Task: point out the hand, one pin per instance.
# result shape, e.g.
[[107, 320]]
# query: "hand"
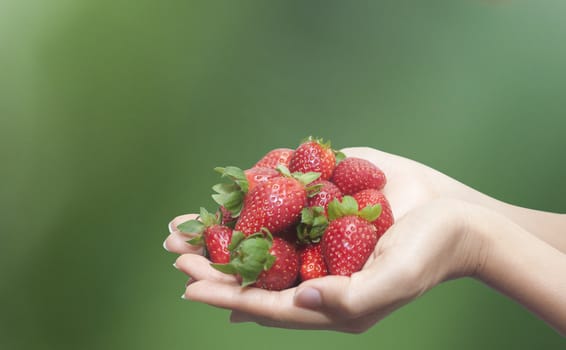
[[405, 263], [444, 230], [427, 246]]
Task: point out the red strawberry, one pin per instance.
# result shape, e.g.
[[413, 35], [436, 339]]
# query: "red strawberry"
[[314, 155], [275, 204], [355, 174], [217, 238], [230, 196], [312, 262], [350, 238], [284, 271], [257, 175], [373, 197], [211, 233], [275, 157], [262, 260], [325, 195]]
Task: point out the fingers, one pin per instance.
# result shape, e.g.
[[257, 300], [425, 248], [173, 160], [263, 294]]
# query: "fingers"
[[333, 295], [176, 242], [198, 268], [376, 290], [249, 304], [348, 304]]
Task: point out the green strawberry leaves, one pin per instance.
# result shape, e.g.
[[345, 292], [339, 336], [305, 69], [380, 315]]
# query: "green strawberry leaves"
[[312, 226], [339, 156], [349, 206], [304, 178], [319, 140], [198, 226], [249, 256], [231, 195], [191, 226]]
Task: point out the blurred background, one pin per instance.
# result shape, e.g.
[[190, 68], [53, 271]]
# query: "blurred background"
[[113, 114]]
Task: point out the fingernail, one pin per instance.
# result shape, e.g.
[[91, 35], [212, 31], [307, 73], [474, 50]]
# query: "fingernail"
[[308, 298], [175, 266], [183, 297], [165, 245]]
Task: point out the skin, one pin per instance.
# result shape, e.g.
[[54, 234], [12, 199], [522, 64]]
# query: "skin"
[[444, 230]]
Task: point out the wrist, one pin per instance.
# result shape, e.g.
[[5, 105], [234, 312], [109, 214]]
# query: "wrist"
[[523, 267], [472, 245], [460, 245]]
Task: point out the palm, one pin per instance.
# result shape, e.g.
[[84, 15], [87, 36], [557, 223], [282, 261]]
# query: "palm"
[[408, 182]]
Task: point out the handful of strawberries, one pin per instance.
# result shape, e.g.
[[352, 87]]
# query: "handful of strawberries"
[[295, 215]]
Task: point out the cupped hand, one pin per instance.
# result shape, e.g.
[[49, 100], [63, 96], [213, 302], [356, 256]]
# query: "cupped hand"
[[443, 230], [427, 246]]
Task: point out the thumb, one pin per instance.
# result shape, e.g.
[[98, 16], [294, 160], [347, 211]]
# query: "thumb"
[[379, 288], [330, 293]]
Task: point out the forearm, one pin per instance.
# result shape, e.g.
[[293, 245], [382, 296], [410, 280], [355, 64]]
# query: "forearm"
[[522, 266], [549, 227]]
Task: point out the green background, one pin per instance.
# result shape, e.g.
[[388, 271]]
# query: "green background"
[[113, 114]]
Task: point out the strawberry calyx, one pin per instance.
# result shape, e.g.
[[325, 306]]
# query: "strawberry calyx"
[[339, 155], [199, 225], [231, 195], [312, 226], [349, 207], [249, 256], [318, 140], [304, 178]]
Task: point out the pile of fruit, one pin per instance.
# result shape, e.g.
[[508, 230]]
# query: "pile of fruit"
[[295, 215]]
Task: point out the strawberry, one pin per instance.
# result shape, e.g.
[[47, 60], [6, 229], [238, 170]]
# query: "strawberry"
[[275, 157], [262, 260], [314, 155], [328, 191], [210, 233], [230, 196], [350, 238], [373, 197], [355, 174], [313, 217], [257, 175], [217, 239], [284, 271], [275, 204], [312, 262]]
